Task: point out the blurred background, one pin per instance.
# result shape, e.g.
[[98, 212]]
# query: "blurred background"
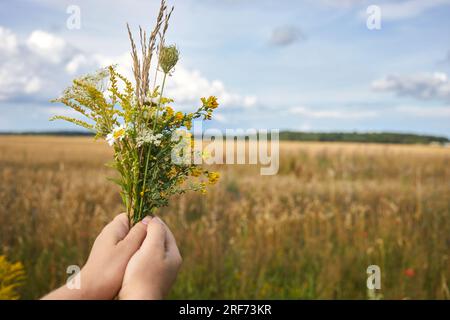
[[311, 66]]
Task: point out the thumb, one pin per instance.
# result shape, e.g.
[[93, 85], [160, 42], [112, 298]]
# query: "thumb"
[[156, 237], [132, 242]]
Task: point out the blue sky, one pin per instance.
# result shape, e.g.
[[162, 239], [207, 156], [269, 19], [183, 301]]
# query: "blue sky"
[[299, 65]]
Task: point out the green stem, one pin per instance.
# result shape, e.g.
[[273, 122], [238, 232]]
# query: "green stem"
[[149, 148]]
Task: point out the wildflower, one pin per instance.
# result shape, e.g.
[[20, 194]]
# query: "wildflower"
[[213, 177], [211, 102], [117, 134], [169, 112], [409, 272], [188, 124], [12, 276], [196, 171], [172, 172], [147, 136], [168, 58], [203, 188], [179, 116]]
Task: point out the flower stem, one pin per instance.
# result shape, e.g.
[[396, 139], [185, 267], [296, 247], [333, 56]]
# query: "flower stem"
[[149, 148]]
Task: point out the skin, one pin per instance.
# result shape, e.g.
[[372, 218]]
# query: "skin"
[[137, 263]]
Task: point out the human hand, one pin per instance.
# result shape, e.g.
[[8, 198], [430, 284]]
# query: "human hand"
[[153, 269], [102, 275]]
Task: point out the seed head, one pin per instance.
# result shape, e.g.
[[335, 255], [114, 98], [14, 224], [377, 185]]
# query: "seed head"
[[168, 58]]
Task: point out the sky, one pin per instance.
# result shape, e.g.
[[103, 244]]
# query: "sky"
[[311, 65]]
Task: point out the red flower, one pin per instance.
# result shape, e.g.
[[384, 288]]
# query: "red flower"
[[409, 272]]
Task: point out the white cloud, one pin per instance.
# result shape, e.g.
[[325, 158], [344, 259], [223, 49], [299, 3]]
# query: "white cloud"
[[47, 46], [34, 68], [39, 68], [187, 86], [423, 86], [8, 41], [332, 113]]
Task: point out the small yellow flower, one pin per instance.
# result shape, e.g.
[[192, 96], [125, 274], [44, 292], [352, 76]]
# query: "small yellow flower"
[[211, 102], [169, 112], [172, 173], [179, 116], [213, 177], [188, 124], [203, 188], [196, 171]]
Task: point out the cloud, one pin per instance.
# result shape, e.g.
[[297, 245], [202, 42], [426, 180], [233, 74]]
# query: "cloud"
[[332, 113], [187, 86], [39, 67], [426, 86], [286, 35], [33, 69], [8, 42], [48, 46]]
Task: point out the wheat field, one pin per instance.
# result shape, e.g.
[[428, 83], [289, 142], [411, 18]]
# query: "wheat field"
[[309, 232]]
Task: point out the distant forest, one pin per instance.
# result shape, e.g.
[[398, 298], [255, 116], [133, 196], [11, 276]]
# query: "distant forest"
[[375, 137]]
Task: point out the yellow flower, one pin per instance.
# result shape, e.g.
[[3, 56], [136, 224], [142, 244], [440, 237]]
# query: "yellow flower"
[[211, 102], [213, 177], [12, 276], [169, 112], [172, 173], [196, 171], [203, 188], [179, 116], [188, 124]]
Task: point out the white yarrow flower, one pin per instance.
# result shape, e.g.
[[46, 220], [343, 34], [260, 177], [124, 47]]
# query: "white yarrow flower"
[[147, 136]]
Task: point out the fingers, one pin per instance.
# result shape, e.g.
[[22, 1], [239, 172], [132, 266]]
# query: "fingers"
[[156, 237], [133, 240], [171, 245], [117, 229]]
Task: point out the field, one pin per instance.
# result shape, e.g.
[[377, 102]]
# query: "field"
[[309, 232]]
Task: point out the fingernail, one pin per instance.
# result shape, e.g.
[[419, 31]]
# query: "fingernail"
[[146, 220]]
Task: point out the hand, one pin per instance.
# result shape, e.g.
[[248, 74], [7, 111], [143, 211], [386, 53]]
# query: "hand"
[[153, 268], [102, 275]]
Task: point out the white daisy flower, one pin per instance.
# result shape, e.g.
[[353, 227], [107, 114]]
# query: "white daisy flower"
[[117, 134]]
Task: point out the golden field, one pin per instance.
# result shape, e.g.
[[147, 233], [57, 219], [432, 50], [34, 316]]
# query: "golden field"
[[309, 232]]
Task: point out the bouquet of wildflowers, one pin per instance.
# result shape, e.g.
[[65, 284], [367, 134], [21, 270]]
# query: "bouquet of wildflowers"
[[137, 120]]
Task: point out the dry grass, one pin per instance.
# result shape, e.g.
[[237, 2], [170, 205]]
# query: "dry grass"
[[309, 232]]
